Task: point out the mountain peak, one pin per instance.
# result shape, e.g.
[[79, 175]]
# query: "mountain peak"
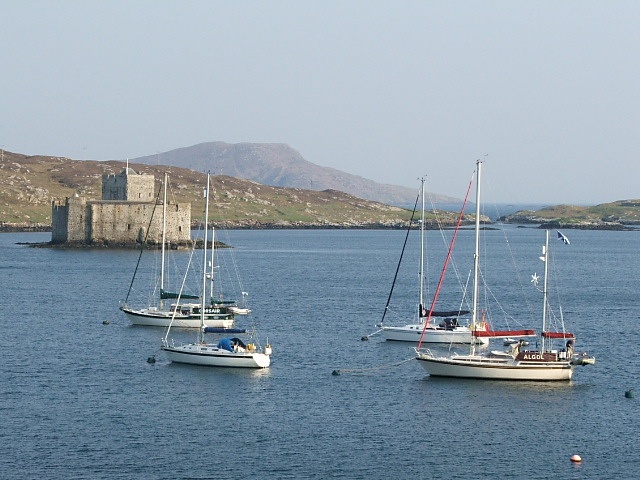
[[279, 165]]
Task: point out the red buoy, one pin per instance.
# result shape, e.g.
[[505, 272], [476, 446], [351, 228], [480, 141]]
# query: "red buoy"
[[576, 458]]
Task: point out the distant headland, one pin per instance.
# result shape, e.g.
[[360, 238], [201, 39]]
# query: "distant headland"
[[620, 215]]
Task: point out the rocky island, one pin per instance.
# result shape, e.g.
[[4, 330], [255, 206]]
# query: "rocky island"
[[619, 215]]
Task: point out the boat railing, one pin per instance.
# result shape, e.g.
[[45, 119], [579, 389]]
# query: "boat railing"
[[423, 351]]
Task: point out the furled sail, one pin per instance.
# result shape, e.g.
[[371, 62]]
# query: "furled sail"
[[164, 295]]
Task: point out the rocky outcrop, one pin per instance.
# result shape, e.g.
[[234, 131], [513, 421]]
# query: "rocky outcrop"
[[24, 227], [578, 221]]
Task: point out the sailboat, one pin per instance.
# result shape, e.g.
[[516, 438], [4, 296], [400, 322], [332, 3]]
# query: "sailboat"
[[450, 329], [517, 363], [227, 351], [182, 314]]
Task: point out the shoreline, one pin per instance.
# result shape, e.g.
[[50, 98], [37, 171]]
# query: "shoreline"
[[39, 228], [121, 245]]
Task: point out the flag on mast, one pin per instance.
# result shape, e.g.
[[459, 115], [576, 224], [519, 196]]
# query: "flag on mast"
[[564, 239]]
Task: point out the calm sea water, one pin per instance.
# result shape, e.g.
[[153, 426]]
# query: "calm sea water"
[[79, 400]]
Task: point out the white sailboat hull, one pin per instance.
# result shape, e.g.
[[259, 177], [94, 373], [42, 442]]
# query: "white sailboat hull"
[[212, 356], [494, 368], [161, 318], [412, 333]]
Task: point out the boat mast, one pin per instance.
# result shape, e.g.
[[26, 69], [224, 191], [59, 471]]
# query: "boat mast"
[[421, 253], [545, 259], [212, 263], [476, 255], [164, 233], [204, 255]]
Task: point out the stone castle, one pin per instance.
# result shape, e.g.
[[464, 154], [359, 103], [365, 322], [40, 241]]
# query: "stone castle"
[[124, 216]]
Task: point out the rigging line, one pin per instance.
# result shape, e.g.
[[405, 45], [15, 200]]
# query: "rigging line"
[[490, 295], [142, 246], [228, 252], [395, 277], [465, 288], [363, 370], [175, 310], [173, 258], [441, 228], [555, 284], [446, 264], [494, 211], [516, 266], [445, 242]]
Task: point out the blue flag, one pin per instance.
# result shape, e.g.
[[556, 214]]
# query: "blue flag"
[[564, 239]]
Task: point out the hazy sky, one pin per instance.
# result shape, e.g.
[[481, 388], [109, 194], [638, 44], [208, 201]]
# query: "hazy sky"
[[390, 90]]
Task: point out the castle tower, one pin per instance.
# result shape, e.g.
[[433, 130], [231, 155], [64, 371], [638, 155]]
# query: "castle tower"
[[69, 221], [128, 186]]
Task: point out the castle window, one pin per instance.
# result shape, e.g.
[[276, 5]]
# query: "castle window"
[[128, 226]]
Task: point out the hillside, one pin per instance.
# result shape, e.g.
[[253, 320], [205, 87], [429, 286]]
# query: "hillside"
[[28, 184], [280, 165], [611, 216]]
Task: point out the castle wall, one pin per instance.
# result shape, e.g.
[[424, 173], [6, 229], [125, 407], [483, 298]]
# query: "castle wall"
[[179, 222], [77, 219], [127, 222]]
